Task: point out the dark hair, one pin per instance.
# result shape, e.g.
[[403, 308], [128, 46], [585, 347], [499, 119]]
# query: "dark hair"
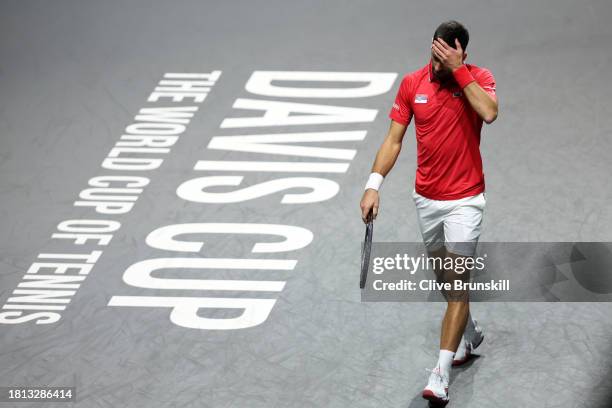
[[449, 30]]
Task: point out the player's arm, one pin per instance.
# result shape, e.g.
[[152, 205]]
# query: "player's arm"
[[390, 149], [385, 159], [483, 102]]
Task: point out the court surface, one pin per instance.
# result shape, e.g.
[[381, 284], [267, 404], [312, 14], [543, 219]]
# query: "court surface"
[[74, 75]]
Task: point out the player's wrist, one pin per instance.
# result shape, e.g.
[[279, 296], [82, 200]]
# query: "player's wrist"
[[374, 181], [463, 76]]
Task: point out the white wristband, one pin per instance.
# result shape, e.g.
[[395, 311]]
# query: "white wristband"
[[375, 181]]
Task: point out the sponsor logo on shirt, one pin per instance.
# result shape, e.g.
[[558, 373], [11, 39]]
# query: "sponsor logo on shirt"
[[420, 98]]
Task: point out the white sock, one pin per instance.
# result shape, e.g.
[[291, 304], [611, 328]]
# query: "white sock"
[[470, 328], [445, 361]]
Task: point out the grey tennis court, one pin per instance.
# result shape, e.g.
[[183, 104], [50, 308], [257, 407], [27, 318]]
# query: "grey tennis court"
[[220, 266]]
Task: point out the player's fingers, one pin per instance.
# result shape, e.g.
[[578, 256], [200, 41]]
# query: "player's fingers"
[[439, 54], [375, 211], [443, 43], [364, 213], [437, 49], [438, 44], [444, 52], [458, 45]]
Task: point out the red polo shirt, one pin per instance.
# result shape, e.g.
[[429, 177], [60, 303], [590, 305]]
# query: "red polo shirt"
[[449, 165]]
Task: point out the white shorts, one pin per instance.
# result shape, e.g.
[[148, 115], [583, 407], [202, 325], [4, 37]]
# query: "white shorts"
[[451, 223]]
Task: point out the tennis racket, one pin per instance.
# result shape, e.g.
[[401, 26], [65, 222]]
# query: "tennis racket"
[[366, 249]]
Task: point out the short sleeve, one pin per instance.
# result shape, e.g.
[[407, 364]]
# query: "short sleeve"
[[487, 81], [401, 111]]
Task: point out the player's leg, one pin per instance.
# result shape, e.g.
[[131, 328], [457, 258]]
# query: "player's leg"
[[430, 215], [436, 389], [457, 307], [472, 331], [462, 223], [438, 258], [457, 310]]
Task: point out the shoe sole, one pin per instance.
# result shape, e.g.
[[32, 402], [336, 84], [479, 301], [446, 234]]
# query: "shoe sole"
[[431, 397], [468, 354]]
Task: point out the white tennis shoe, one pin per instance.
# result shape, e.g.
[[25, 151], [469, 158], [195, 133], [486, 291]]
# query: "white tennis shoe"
[[466, 346], [436, 390]]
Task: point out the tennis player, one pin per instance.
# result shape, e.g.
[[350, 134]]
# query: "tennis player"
[[449, 101]]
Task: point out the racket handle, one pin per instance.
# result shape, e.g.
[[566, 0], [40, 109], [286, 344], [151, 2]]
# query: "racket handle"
[[370, 216]]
